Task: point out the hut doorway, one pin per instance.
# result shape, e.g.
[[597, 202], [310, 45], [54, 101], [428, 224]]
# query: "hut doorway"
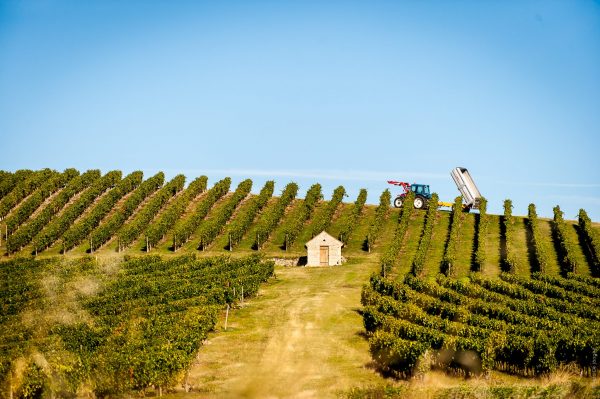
[[324, 256]]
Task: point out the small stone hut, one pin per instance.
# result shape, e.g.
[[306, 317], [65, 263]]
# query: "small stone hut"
[[324, 250]]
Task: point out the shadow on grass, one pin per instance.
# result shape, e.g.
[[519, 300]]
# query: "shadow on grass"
[[476, 242], [531, 256], [504, 266], [588, 251]]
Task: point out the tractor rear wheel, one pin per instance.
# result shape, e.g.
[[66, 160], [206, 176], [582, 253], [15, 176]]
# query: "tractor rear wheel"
[[419, 202], [398, 202]]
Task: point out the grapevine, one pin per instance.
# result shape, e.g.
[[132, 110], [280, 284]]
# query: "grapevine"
[[25, 234], [57, 227], [108, 228], [541, 252], [271, 217], [508, 223], [241, 224], [380, 215], [482, 227], [388, 259], [313, 195], [352, 221], [184, 231], [591, 239], [81, 229], [211, 228], [568, 262], [449, 260], [173, 212], [27, 207], [134, 227], [420, 257]]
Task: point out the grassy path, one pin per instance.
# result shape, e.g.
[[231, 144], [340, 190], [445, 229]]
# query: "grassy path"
[[464, 253], [410, 244], [522, 251], [301, 337], [437, 245]]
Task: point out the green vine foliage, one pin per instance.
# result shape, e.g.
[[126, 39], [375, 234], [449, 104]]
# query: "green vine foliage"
[[25, 234], [53, 231], [352, 221], [324, 218], [26, 208], [244, 219], [134, 227], [540, 249], [10, 180], [591, 239], [482, 228], [516, 325], [313, 196], [388, 259], [173, 212], [567, 259], [211, 228], [82, 228], [511, 263], [272, 215], [380, 216], [449, 259], [107, 229], [184, 231], [421, 255], [23, 188], [143, 328]]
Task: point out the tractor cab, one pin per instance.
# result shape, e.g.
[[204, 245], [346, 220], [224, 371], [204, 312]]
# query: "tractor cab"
[[421, 189]]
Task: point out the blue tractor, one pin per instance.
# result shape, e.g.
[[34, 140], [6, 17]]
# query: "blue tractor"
[[422, 194]]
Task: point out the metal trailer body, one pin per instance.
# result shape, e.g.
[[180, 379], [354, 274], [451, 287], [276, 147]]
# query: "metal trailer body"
[[466, 186]]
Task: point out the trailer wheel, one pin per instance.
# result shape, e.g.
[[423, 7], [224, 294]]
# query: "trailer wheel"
[[398, 202], [419, 203]]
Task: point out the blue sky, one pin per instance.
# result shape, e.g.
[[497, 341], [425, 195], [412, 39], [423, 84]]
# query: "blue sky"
[[336, 92]]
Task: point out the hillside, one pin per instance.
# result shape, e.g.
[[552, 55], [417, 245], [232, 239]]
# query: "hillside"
[[24, 233], [159, 262]]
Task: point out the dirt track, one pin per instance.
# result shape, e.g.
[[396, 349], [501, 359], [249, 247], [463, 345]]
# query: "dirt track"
[[300, 338]]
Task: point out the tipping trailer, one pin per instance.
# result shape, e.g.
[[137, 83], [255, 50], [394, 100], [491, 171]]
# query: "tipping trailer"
[[466, 186]]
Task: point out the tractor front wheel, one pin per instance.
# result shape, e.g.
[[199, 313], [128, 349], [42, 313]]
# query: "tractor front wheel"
[[398, 202]]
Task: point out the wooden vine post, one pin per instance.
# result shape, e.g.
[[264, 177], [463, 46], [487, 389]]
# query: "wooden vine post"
[[226, 316]]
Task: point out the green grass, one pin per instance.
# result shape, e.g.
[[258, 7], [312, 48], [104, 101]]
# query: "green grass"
[[359, 235], [492, 247], [222, 242], [520, 246], [464, 253], [583, 268], [553, 267], [339, 219], [277, 238], [435, 253], [410, 243], [248, 240]]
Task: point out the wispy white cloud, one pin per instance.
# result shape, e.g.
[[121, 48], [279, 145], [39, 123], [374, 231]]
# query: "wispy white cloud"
[[576, 199], [347, 175], [546, 184]]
